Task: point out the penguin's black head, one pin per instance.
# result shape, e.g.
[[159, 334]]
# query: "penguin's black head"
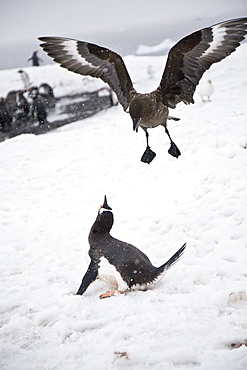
[[104, 220]]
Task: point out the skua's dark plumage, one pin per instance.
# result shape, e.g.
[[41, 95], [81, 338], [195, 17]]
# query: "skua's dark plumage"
[[186, 63]]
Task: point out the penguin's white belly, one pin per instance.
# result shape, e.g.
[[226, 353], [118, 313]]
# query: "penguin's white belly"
[[108, 273], [206, 90]]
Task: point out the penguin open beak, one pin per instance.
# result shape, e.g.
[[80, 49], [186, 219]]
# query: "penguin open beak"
[[136, 124], [105, 205]]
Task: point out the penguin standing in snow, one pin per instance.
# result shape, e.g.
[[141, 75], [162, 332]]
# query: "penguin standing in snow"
[[22, 106], [5, 117], [38, 107], [120, 264], [206, 90], [25, 79], [35, 59], [46, 92]]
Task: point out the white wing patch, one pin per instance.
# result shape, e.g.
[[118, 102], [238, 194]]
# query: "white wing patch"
[[70, 46], [219, 33]]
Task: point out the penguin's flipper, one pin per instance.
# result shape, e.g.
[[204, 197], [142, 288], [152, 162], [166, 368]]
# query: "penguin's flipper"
[[110, 293], [89, 277]]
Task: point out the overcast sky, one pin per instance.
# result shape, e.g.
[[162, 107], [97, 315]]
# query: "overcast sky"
[[22, 21]]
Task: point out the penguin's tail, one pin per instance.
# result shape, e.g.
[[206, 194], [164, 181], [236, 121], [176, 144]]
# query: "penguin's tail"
[[172, 260]]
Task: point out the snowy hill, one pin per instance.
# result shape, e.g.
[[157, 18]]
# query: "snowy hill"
[[164, 46], [51, 188]]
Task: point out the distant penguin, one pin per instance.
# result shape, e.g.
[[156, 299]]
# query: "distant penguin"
[[46, 92], [38, 107], [22, 106], [46, 89], [25, 79], [35, 59], [17, 105], [206, 90], [120, 264], [10, 101], [5, 117], [106, 91]]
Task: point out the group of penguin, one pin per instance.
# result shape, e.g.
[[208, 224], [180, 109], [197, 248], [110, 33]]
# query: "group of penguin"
[[26, 106]]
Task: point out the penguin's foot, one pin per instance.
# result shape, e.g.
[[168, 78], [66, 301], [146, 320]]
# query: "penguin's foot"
[[109, 293], [174, 151], [148, 155]]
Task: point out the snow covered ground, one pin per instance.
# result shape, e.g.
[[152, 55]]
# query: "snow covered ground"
[[51, 187]]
